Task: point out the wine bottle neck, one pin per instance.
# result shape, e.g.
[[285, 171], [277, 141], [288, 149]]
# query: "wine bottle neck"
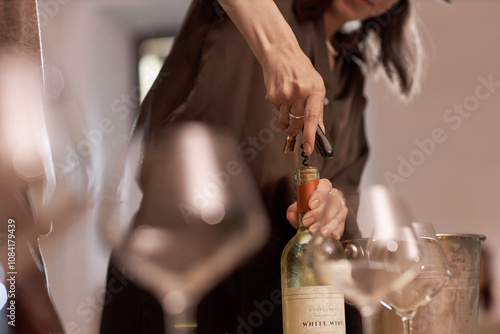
[[307, 179], [301, 225]]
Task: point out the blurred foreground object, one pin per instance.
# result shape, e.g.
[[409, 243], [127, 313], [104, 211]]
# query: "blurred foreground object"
[[25, 181], [370, 268], [26, 172], [455, 308], [200, 217], [432, 277]]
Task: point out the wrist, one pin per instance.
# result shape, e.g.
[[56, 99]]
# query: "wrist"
[[278, 50]]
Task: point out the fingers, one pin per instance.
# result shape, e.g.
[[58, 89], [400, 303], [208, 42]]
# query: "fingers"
[[296, 124], [320, 194], [295, 87], [308, 116], [291, 215], [284, 118], [328, 211], [316, 200], [316, 204], [329, 215], [334, 215], [312, 116]]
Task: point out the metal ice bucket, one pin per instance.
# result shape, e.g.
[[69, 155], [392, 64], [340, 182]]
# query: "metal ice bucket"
[[454, 310]]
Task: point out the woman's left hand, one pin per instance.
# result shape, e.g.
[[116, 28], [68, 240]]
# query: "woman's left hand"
[[327, 212]]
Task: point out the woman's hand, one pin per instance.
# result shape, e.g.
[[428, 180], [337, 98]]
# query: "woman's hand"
[[294, 86], [328, 218]]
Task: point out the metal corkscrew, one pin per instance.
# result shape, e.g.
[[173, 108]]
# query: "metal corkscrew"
[[306, 157], [322, 143]]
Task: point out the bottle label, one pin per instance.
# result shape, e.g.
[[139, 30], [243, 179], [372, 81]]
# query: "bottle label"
[[313, 309]]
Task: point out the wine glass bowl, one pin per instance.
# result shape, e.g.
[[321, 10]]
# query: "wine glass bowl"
[[362, 277], [366, 270], [200, 216], [433, 275]]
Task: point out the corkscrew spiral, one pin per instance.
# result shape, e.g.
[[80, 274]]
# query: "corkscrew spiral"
[[306, 157]]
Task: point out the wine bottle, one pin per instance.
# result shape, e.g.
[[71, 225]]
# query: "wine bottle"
[[307, 306]]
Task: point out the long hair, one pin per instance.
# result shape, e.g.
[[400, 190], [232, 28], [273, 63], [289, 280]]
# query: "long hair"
[[390, 41]]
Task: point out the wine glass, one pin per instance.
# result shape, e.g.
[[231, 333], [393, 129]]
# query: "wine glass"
[[434, 274], [200, 216], [367, 270]]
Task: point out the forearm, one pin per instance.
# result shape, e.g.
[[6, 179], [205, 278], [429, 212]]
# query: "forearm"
[[292, 83], [262, 25]]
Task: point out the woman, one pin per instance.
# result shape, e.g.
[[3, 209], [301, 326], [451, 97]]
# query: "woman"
[[224, 71]]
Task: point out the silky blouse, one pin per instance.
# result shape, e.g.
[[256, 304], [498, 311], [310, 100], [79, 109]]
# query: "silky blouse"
[[212, 76]]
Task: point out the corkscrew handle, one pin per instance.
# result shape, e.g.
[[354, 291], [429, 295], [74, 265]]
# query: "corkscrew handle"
[[323, 144]]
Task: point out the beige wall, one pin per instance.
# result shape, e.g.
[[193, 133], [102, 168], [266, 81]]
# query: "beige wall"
[[455, 181]]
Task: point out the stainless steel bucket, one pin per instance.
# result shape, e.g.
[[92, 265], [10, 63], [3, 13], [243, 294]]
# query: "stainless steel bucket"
[[454, 310]]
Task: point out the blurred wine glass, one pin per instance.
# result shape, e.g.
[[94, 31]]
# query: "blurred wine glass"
[[200, 216], [366, 270], [434, 274]]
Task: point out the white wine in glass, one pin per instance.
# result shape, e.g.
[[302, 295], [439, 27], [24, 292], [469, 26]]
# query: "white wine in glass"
[[388, 260]]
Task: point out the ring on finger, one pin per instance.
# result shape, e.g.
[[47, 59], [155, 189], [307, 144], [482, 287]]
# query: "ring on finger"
[[295, 117]]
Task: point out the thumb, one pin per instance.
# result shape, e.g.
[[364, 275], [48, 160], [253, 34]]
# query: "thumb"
[[291, 215]]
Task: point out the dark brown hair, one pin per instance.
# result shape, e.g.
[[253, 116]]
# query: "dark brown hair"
[[390, 40]]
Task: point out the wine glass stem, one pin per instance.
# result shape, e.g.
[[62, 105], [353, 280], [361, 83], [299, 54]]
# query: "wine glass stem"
[[183, 323], [407, 325], [369, 321]]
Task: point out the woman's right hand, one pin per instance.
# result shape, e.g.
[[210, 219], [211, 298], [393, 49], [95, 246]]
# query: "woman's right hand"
[[294, 86]]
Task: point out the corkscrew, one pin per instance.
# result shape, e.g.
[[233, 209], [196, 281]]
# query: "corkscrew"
[[303, 154], [322, 143]]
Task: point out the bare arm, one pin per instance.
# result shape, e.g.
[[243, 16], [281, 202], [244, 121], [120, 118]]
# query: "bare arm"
[[292, 83]]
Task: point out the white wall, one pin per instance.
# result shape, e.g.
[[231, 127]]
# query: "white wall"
[[456, 183], [92, 46]]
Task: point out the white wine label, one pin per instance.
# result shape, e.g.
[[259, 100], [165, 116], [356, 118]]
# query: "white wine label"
[[313, 310]]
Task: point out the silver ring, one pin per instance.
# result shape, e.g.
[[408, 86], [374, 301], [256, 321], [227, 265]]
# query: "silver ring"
[[295, 117]]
